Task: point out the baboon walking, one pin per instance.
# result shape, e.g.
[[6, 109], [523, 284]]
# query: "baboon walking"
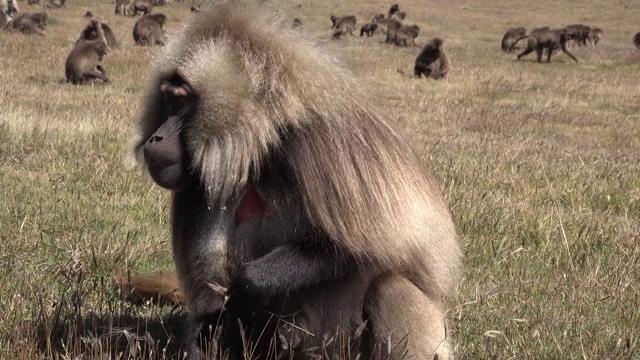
[[368, 29], [405, 36], [550, 40], [343, 25], [83, 62], [290, 186]]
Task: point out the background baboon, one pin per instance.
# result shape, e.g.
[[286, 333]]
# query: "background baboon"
[[432, 62], [83, 62], [578, 33], [392, 30], [54, 4], [246, 116], [393, 9], [382, 23], [132, 7], [96, 30], [511, 37], [148, 30], [399, 15], [29, 23], [368, 29], [541, 39], [405, 36], [88, 14], [297, 24], [636, 40], [195, 9], [595, 35], [343, 25]]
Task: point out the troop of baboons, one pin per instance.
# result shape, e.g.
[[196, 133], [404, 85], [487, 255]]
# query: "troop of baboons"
[[551, 39]]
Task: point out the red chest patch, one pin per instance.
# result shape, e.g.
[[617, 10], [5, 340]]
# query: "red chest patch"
[[251, 205]]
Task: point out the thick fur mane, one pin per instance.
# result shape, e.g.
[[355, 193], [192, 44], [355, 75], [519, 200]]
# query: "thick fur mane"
[[360, 182]]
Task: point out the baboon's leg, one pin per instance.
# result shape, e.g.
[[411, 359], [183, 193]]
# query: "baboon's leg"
[[526, 52], [93, 74], [539, 51], [101, 69], [566, 51], [404, 322]]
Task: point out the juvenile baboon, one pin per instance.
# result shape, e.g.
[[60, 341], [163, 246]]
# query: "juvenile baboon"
[[148, 30], [28, 23], [297, 24], [368, 29], [405, 36], [96, 30], [578, 33], [392, 30], [88, 14], [511, 37], [541, 39], [343, 25], [636, 40], [399, 15], [291, 184], [595, 35], [393, 9], [432, 62], [83, 62]]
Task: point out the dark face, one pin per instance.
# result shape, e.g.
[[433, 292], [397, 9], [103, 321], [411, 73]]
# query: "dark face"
[[164, 152]]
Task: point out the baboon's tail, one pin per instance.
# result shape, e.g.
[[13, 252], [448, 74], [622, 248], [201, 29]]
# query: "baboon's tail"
[[513, 46], [158, 288]]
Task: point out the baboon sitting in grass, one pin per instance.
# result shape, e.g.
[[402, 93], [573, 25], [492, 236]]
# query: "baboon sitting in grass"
[[432, 62], [405, 36], [83, 63], [29, 23], [550, 40]]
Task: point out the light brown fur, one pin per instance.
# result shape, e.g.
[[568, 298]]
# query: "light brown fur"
[[83, 62], [148, 30], [338, 167], [343, 25]]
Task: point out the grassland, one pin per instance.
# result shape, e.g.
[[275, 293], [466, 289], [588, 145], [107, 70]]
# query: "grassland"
[[540, 164]]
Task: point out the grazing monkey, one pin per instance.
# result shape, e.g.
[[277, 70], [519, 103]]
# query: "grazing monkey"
[[28, 23], [96, 30], [295, 192], [148, 30], [83, 62], [511, 37], [541, 39], [579, 33], [432, 62]]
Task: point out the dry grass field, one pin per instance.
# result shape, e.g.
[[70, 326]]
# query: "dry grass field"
[[540, 165]]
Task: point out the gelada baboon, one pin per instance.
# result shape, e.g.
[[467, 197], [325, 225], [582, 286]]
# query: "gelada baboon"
[[578, 33], [28, 23], [294, 190], [132, 7], [399, 15], [393, 9], [405, 36], [382, 23], [595, 35], [96, 30], [511, 37], [148, 30], [83, 62], [368, 29], [88, 14], [550, 40], [432, 62], [343, 25], [54, 4], [297, 24], [392, 30], [636, 40]]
